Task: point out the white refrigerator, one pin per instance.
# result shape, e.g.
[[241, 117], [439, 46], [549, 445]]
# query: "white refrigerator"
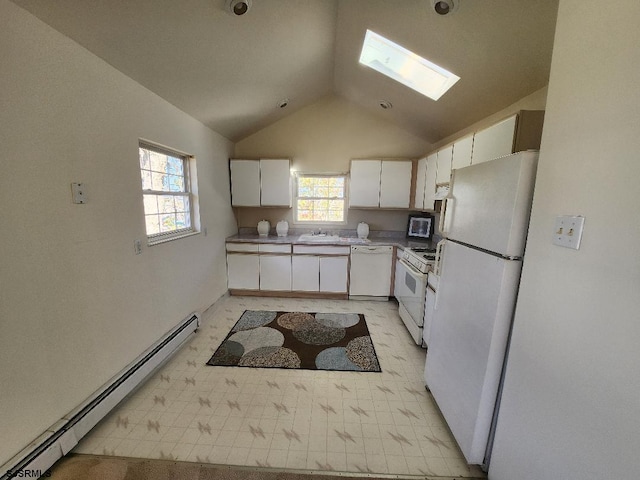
[[487, 218]]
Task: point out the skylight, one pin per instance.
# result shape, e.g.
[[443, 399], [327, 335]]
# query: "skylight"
[[406, 67]]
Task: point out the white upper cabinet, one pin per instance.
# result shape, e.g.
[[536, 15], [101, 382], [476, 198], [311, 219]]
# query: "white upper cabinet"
[[380, 183], [264, 183], [364, 184], [443, 172], [430, 183], [462, 152], [421, 174], [275, 183], [495, 141], [395, 184], [245, 183]]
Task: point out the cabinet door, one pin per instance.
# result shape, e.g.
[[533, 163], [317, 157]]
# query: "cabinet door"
[[242, 271], [495, 141], [462, 152], [245, 183], [275, 183], [395, 184], [333, 274], [305, 273], [275, 272], [418, 200], [364, 184], [443, 172], [430, 183]]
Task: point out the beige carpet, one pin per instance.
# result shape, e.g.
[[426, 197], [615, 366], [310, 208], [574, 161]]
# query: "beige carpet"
[[95, 467]]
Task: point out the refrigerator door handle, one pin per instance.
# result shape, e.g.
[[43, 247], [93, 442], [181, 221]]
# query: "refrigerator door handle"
[[436, 266], [445, 215], [437, 269]]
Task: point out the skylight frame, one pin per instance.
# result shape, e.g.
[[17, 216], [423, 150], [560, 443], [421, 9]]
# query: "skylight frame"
[[406, 67]]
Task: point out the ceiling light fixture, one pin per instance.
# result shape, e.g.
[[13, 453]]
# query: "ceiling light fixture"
[[283, 103], [238, 7], [406, 67], [385, 104], [445, 7]]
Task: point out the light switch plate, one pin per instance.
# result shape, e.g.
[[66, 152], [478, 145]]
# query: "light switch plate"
[[568, 231]]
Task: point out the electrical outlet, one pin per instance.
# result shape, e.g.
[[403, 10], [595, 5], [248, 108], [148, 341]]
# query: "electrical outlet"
[[137, 246], [77, 193], [568, 231]]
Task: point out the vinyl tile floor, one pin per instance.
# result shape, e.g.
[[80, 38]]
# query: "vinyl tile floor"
[[336, 422]]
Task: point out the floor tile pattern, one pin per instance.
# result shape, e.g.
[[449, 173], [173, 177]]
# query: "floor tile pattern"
[[361, 422]]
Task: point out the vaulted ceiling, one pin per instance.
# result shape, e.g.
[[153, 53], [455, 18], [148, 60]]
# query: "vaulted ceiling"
[[232, 72]]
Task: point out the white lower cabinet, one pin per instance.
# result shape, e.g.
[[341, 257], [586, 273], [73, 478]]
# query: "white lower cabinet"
[[334, 274], [243, 271], [305, 273], [275, 272]]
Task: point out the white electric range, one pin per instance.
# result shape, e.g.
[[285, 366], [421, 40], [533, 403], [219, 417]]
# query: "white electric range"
[[411, 287]]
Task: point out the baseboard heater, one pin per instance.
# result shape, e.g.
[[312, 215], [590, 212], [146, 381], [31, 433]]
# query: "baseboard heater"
[[65, 434]]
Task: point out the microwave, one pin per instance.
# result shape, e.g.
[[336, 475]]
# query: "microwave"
[[420, 226]]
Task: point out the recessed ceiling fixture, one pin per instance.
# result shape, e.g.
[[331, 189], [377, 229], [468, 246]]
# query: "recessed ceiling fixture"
[[238, 7], [385, 104], [406, 67], [445, 7], [283, 103]]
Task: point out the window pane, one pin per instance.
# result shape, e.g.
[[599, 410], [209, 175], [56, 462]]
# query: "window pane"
[[165, 204], [145, 162], [182, 221], [153, 224], [305, 191], [336, 192], [167, 222], [146, 179], [181, 204], [158, 162], [305, 215], [150, 204], [158, 181], [176, 184], [321, 192], [174, 166], [336, 205]]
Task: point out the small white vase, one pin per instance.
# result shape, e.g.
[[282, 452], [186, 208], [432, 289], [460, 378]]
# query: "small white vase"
[[263, 228], [362, 230], [282, 228]]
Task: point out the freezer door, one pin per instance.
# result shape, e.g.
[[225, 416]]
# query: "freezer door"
[[469, 333], [491, 202]]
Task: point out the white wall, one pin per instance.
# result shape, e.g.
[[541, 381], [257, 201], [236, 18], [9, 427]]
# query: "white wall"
[[76, 304], [323, 138], [571, 405]]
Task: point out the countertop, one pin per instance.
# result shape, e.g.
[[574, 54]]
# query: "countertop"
[[383, 239]]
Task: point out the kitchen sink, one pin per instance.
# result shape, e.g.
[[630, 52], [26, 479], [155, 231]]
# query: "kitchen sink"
[[319, 238], [323, 238]]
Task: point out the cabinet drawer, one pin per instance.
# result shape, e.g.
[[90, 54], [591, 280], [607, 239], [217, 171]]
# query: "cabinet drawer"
[[242, 247], [322, 249], [274, 248]]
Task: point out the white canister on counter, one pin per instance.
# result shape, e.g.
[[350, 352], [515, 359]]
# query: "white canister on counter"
[[282, 228], [263, 228], [363, 230]]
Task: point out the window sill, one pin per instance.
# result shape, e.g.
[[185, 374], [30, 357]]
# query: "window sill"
[[169, 238]]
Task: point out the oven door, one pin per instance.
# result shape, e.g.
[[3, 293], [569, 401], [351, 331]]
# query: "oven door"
[[410, 290]]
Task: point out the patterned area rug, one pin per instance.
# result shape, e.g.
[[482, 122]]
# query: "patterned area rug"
[[311, 341]]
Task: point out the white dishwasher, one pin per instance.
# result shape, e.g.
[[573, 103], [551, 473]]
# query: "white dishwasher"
[[370, 273]]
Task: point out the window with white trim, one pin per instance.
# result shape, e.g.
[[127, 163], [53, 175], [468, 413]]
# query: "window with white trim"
[[321, 198], [166, 192]]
